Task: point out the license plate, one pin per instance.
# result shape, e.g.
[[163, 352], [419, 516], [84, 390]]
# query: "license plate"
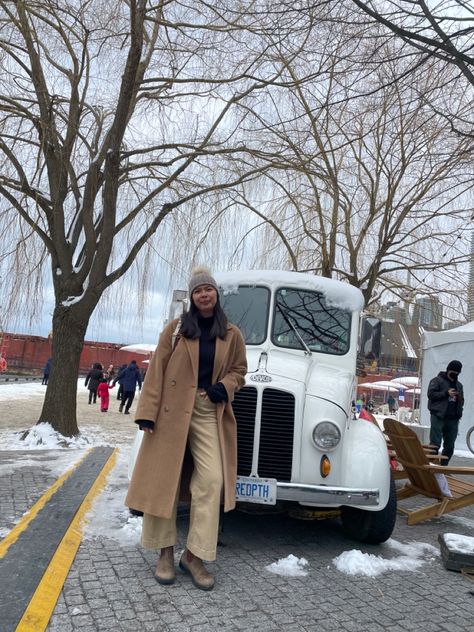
[[251, 489]]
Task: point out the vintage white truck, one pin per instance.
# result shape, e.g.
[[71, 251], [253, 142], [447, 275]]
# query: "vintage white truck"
[[297, 440]]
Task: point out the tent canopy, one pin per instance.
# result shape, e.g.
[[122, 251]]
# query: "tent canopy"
[[380, 386], [142, 347], [464, 333], [407, 380]]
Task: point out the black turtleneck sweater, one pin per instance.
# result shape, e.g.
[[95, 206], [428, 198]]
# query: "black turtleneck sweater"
[[207, 352]]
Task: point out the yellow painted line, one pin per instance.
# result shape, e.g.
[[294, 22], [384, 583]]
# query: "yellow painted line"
[[38, 613], [15, 533]]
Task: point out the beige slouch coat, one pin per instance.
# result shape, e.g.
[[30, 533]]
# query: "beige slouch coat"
[[167, 398]]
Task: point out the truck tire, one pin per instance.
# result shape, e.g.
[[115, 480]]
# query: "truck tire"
[[372, 527]]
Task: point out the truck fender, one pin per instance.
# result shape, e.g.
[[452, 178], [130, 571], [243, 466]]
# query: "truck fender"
[[366, 459]]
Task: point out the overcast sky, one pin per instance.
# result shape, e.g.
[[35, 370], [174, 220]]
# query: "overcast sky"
[[120, 321]]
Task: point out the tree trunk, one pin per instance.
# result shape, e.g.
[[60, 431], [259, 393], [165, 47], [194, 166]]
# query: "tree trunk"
[[59, 408]]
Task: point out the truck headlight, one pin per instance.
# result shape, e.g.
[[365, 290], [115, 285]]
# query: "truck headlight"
[[326, 435]]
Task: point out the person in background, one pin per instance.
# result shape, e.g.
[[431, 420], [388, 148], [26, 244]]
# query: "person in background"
[[47, 371], [130, 377], [445, 403], [110, 373], [199, 363], [392, 404], [120, 381], [103, 393], [92, 381]]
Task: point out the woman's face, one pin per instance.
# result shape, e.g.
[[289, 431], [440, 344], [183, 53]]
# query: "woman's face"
[[205, 299]]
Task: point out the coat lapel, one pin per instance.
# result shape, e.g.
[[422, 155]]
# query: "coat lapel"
[[222, 347], [192, 346]]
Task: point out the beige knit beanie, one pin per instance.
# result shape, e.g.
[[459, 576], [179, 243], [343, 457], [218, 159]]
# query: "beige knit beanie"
[[201, 276]]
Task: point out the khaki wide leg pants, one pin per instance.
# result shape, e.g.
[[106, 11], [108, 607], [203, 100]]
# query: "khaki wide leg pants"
[[205, 487]]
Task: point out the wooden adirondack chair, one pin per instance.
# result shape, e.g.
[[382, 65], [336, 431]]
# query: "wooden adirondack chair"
[[422, 476]]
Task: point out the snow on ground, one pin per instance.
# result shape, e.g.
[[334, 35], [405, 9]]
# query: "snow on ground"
[[13, 391], [290, 566], [44, 437], [108, 515], [412, 557], [56, 466], [465, 522], [459, 543]]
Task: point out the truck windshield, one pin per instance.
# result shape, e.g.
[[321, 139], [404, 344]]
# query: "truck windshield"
[[247, 307], [323, 329]]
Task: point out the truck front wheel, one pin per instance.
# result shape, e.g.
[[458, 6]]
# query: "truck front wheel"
[[372, 527]]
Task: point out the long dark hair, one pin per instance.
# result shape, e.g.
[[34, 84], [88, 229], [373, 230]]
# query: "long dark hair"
[[190, 325]]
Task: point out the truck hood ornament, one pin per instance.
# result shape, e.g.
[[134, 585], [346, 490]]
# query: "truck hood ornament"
[[260, 377]]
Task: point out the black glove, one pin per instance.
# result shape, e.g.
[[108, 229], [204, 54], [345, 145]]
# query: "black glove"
[[217, 393], [145, 423]]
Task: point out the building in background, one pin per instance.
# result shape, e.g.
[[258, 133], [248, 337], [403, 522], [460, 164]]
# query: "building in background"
[[391, 337], [28, 354], [428, 313]]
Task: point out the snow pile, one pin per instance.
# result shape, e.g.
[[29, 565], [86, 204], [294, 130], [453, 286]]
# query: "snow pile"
[[459, 543], [290, 566], [108, 515], [412, 557], [43, 437]]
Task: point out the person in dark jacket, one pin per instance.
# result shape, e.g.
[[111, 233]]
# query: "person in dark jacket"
[[120, 381], [445, 403], [47, 371], [92, 381], [129, 377]]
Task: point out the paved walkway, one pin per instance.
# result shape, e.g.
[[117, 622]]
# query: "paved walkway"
[[110, 584]]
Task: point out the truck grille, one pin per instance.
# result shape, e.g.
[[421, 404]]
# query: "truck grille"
[[245, 408], [276, 432]]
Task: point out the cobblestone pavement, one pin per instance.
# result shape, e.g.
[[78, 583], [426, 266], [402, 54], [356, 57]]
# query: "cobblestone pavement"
[[111, 586]]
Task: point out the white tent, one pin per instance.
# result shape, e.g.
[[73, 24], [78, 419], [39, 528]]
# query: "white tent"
[[439, 348], [144, 348], [380, 386], [408, 380]]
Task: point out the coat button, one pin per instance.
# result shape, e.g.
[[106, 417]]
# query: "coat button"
[[173, 382], [167, 408]]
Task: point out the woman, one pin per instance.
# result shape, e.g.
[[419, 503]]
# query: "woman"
[[186, 400], [110, 373], [92, 381]]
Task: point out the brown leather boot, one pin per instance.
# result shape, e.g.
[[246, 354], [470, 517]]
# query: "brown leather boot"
[[165, 572], [193, 565]]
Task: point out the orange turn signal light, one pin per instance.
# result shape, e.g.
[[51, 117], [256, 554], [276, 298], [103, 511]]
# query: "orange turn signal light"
[[325, 466]]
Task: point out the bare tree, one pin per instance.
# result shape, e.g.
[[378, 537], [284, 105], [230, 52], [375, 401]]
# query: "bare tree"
[[444, 29], [366, 189], [114, 114], [440, 32]]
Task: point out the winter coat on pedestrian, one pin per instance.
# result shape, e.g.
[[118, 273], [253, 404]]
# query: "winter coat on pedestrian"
[[46, 371], [438, 396], [174, 375], [129, 377], [103, 393], [93, 377]]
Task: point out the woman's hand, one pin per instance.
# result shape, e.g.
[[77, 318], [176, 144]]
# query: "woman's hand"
[[148, 430]]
